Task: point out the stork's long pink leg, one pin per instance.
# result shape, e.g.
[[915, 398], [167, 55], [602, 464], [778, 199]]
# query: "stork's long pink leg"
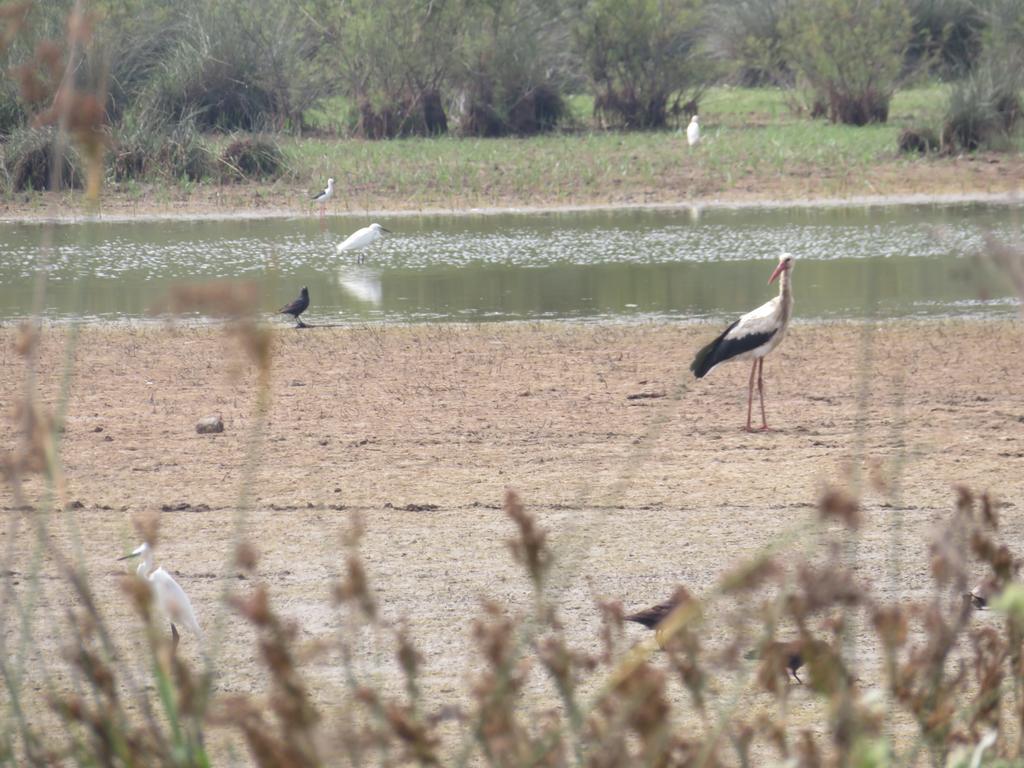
[[750, 396], [760, 391]]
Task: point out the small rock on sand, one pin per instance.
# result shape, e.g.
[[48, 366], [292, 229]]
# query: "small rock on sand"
[[210, 425]]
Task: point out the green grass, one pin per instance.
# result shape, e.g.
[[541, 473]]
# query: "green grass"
[[747, 132], [753, 144]]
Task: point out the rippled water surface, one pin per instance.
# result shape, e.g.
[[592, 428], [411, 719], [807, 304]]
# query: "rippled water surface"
[[883, 261]]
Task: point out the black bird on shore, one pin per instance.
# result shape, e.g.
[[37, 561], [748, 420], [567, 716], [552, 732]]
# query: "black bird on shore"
[[653, 616], [788, 656], [297, 307], [980, 595]]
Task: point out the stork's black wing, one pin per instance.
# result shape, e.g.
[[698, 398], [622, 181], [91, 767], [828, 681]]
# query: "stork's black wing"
[[725, 347]]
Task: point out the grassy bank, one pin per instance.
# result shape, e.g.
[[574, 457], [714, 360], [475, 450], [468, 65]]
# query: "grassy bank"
[[754, 148]]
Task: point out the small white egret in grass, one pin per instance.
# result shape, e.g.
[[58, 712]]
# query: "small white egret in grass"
[[693, 132], [362, 238], [752, 337], [324, 196], [170, 597]]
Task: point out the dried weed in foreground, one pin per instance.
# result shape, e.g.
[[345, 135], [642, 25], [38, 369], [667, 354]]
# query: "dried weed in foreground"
[[958, 679]]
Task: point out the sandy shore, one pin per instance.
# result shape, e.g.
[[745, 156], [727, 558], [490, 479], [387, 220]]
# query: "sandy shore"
[[641, 473]]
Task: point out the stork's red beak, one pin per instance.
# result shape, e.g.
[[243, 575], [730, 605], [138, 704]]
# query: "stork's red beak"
[[778, 271]]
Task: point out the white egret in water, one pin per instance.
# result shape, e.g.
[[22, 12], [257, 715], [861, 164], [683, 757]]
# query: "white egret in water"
[[362, 238], [693, 132], [169, 596], [322, 198]]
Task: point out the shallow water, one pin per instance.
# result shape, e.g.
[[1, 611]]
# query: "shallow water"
[[854, 262]]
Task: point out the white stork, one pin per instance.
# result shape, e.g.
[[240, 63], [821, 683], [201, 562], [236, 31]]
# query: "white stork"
[[693, 132], [752, 337]]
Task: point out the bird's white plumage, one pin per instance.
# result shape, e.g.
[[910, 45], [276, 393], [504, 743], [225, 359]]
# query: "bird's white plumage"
[[326, 195], [173, 601], [362, 238], [693, 132], [170, 598], [765, 319]]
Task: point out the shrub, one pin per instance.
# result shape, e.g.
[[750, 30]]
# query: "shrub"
[[984, 107], [639, 54], [149, 148], [29, 157], [920, 140], [251, 157], [747, 36], [225, 64], [397, 56], [850, 52], [945, 36], [517, 61]]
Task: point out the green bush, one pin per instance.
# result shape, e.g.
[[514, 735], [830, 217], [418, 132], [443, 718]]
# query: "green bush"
[[984, 107], [920, 140], [850, 52], [251, 158], [747, 36], [945, 36], [29, 157], [639, 54], [397, 56], [517, 61], [144, 149]]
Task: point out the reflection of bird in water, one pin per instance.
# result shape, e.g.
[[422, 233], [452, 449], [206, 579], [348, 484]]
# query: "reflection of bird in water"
[[362, 238], [170, 597], [361, 284], [297, 307]]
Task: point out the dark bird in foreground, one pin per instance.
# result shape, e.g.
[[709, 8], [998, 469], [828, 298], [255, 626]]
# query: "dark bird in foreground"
[[653, 616], [752, 337], [980, 595], [787, 654], [297, 307]]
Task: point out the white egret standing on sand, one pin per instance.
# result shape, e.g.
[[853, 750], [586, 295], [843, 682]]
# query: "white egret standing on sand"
[[693, 132], [752, 337], [362, 238], [169, 596], [324, 196]]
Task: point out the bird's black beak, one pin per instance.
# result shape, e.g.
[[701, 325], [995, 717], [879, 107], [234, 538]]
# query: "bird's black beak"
[[385, 230], [126, 557]]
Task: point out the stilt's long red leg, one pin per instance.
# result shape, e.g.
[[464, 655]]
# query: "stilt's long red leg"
[[750, 395], [760, 391]]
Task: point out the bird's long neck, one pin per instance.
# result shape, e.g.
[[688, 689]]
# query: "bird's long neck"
[[146, 566], [785, 296]]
